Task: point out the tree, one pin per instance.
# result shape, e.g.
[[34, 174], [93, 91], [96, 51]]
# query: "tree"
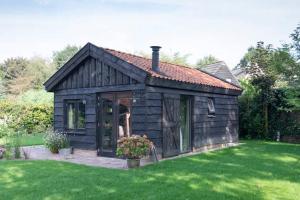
[[295, 45], [13, 67], [62, 56], [20, 74], [258, 63], [38, 71], [206, 60], [175, 58]]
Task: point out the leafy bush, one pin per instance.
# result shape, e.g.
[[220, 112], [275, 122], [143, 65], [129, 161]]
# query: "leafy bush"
[[5, 130], [36, 97], [55, 141], [29, 117], [283, 112], [133, 147]]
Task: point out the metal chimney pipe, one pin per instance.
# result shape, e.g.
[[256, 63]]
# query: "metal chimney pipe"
[[155, 58]]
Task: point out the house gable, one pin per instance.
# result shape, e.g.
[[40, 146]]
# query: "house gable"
[[92, 67], [94, 73]]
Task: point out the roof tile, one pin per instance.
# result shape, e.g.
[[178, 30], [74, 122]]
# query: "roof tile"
[[173, 72]]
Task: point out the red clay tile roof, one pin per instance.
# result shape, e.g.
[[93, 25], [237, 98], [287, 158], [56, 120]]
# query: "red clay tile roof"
[[173, 72]]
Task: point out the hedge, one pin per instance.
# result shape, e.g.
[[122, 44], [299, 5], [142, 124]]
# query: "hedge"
[[32, 118]]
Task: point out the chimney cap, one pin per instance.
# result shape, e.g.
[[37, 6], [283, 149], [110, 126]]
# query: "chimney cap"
[[155, 48]]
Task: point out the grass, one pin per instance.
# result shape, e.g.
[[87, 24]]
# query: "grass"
[[255, 170], [27, 140]]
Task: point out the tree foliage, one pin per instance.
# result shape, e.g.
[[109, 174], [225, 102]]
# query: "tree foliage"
[[272, 92], [295, 45], [62, 56], [20, 74], [206, 60], [175, 58]]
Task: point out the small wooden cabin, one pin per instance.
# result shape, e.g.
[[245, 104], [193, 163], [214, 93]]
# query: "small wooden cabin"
[[101, 95]]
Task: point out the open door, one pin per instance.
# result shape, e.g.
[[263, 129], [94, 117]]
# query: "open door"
[[113, 120], [171, 125]]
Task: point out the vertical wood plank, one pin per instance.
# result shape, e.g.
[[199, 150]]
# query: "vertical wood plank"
[[125, 79], [93, 72], [80, 77], [119, 80], [112, 76]]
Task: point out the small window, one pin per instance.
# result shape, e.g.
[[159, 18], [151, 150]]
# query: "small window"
[[75, 114], [211, 106]]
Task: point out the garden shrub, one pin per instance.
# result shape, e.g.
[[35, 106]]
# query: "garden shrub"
[[32, 118], [55, 141], [5, 130], [283, 109]]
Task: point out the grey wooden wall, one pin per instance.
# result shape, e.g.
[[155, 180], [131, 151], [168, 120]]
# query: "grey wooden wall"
[[220, 128], [206, 130], [147, 116], [87, 138]]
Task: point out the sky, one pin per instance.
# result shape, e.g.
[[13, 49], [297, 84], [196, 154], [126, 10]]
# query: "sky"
[[225, 29]]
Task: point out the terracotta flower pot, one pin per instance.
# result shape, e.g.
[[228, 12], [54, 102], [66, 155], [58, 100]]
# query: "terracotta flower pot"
[[133, 163]]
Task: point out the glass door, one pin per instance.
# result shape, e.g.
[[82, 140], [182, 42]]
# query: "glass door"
[[113, 121], [185, 124], [107, 127]]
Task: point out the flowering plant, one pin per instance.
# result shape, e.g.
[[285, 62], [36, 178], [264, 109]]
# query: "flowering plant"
[[134, 147], [55, 141]]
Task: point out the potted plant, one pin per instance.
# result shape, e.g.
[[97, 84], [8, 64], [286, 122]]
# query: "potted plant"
[[133, 148], [55, 141]]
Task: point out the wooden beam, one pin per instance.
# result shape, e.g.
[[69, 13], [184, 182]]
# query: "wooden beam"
[[163, 85], [100, 89]]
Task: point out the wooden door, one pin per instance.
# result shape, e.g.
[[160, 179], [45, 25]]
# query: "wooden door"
[[171, 125]]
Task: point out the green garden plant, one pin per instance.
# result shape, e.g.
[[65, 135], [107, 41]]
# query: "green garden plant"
[[55, 141]]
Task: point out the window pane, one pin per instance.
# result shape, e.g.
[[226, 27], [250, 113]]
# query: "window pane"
[[184, 124], [81, 115], [107, 123], [124, 117], [211, 106], [70, 115]]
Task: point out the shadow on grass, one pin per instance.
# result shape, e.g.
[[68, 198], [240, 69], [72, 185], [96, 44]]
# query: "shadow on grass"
[[256, 170]]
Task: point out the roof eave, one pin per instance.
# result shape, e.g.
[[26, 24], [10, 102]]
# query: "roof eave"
[[166, 83]]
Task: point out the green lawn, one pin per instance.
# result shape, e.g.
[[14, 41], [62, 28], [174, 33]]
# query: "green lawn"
[[27, 140], [255, 170]]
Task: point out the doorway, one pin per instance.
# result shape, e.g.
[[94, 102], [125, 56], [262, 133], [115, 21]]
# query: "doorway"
[[113, 120], [176, 124]]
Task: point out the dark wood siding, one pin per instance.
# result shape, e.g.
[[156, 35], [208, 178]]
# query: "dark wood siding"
[[94, 73], [217, 129], [87, 138], [207, 130], [147, 116]]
